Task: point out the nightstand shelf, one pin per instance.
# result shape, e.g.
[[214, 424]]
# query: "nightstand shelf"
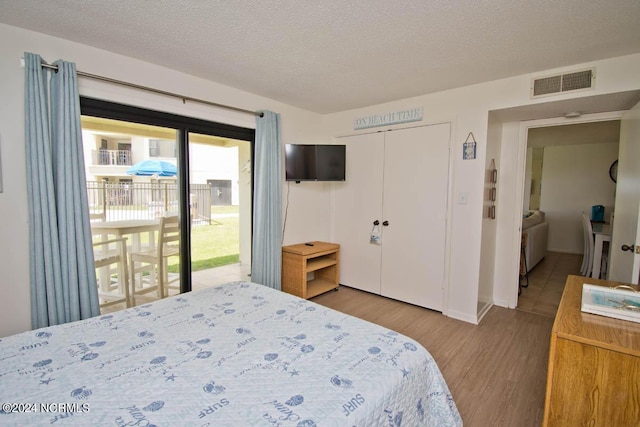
[[299, 262], [314, 264]]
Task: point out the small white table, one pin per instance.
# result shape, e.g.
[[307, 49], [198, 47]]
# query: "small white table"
[[124, 227], [120, 228], [602, 233]]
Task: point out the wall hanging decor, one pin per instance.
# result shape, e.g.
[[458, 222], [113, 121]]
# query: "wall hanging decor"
[[613, 171], [493, 179], [390, 118], [469, 148]]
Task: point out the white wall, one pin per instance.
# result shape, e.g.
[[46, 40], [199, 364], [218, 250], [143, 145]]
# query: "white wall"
[[211, 162], [468, 110], [307, 202], [309, 212], [574, 178], [489, 226], [296, 126]]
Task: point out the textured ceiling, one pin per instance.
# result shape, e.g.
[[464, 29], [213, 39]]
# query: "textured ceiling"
[[329, 56]]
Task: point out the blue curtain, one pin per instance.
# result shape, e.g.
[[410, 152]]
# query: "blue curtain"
[[266, 260], [63, 280]]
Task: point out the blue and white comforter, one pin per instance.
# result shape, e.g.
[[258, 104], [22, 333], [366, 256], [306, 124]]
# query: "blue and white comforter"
[[238, 354]]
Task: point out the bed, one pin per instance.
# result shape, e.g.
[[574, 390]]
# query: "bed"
[[237, 354]]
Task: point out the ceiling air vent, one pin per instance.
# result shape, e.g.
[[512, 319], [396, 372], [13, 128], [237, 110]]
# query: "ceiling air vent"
[[550, 85]]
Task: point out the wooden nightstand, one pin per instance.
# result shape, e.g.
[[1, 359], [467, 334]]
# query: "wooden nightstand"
[[322, 259]]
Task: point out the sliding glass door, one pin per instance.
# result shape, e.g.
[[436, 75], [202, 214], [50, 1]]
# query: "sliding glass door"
[[146, 167], [219, 209]]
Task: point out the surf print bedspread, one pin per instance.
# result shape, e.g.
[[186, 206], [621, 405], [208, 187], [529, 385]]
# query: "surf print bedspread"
[[237, 354]]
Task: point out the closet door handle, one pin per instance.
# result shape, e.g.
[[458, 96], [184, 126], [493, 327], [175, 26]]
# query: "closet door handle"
[[385, 223], [376, 222]]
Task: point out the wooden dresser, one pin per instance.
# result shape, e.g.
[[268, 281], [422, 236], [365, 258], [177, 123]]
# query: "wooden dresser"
[[594, 365]]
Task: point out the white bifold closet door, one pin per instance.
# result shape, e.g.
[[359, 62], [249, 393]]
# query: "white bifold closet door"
[[358, 203], [399, 178]]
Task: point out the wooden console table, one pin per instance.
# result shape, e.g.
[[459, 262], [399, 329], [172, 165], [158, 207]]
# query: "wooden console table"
[[594, 365], [321, 259]]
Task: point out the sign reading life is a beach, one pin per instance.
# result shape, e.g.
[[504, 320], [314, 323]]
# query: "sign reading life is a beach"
[[385, 119]]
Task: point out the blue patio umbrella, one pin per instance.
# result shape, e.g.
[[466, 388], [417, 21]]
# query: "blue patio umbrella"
[[153, 168]]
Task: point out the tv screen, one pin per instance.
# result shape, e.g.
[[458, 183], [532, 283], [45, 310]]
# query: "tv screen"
[[300, 162], [330, 162], [314, 162]]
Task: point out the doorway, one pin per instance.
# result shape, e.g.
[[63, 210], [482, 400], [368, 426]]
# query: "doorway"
[[573, 176], [511, 127]]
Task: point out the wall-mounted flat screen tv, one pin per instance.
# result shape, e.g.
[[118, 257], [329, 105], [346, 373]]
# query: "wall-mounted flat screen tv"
[[314, 162]]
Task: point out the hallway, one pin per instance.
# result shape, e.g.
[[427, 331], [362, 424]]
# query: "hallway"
[[546, 283]]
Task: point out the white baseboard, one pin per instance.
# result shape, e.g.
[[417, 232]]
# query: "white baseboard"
[[465, 317], [501, 303], [484, 311]]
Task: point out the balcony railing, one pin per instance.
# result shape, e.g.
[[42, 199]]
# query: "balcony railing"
[[112, 157]]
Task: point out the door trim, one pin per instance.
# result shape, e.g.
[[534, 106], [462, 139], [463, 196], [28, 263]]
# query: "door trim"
[[520, 175]]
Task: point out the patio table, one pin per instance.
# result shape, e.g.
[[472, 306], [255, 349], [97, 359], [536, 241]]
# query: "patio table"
[[133, 227], [128, 226]]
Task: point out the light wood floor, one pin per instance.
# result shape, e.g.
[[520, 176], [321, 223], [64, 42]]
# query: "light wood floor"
[[496, 371]]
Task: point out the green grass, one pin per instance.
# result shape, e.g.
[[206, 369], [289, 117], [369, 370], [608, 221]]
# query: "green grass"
[[213, 245], [206, 264], [225, 209]]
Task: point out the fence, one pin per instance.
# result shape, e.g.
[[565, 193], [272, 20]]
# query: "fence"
[[133, 200]]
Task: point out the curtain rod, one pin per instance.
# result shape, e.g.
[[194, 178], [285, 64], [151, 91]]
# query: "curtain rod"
[[158, 91]]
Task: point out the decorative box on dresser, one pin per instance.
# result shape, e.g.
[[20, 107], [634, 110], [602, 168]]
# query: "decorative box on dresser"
[[321, 260], [594, 365]]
